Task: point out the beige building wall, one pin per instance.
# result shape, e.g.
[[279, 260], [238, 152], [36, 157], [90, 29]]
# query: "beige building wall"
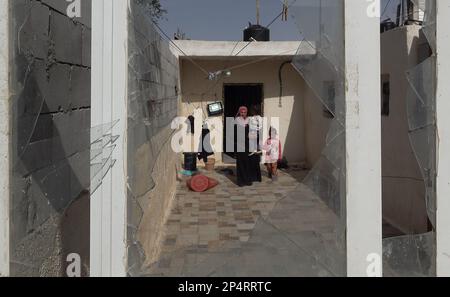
[[197, 91], [403, 185], [317, 127]]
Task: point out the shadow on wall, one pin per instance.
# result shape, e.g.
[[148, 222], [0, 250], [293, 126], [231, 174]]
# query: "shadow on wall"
[[51, 175]]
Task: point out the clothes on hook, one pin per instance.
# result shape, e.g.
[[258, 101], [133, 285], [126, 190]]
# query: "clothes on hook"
[[205, 149]]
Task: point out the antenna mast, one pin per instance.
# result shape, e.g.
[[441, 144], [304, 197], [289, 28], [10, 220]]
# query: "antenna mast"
[[257, 11]]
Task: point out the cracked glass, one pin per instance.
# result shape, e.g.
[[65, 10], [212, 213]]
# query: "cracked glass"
[[51, 144], [411, 250], [153, 104], [293, 228]]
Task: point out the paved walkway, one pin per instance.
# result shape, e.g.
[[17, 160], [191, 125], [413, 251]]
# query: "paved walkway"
[[269, 229]]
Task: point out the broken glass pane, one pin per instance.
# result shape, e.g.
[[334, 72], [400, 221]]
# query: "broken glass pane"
[[409, 255], [429, 23], [50, 130], [152, 105], [413, 254], [321, 25], [295, 227]]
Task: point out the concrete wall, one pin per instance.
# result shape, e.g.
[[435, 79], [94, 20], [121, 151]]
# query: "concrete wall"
[[153, 102], [403, 185], [50, 82], [197, 91]]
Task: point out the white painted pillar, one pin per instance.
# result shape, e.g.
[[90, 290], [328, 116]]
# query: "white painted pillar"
[[4, 138], [363, 139], [109, 104], [443, 141]]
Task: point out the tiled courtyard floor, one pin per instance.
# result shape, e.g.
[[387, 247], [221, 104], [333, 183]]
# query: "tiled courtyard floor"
[[271, 228]]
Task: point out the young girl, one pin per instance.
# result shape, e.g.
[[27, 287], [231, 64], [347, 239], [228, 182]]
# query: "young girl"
[[272, 147]]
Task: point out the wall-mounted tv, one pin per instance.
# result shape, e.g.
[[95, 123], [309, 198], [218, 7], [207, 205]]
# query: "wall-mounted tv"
[[215, 109]]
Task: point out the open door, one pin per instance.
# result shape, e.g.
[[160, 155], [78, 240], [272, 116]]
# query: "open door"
[[235, 96]]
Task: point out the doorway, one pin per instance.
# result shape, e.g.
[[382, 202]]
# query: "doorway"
[[235, 96]]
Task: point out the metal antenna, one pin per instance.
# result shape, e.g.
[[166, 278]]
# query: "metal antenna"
[[257, 11]]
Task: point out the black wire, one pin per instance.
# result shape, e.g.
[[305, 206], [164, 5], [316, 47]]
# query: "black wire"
[[178, 48]]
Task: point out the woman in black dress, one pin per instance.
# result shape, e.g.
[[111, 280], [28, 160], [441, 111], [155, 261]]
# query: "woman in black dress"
[[247, 163]]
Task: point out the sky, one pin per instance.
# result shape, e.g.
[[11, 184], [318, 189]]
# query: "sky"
[[226, 19], [389, 7]]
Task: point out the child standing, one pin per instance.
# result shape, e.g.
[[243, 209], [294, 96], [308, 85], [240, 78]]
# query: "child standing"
[[272, 148]]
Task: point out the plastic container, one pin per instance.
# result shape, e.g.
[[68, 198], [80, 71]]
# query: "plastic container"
[[190, 161], [256, 32], [201, 183]]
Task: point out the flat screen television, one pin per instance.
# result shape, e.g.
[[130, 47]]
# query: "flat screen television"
[[215, 109]]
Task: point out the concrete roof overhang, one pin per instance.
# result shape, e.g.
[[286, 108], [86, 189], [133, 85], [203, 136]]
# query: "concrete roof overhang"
[[226, 50]]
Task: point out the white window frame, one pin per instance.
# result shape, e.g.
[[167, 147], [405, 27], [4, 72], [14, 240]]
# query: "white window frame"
[[363, 140], [443, 140], [4, 138], [108, 252]]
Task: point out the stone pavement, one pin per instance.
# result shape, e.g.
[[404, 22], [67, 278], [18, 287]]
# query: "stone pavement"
[[269, 229]]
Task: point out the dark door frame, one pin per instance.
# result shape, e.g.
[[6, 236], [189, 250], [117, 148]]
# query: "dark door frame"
[[261, 85], [245, 85]]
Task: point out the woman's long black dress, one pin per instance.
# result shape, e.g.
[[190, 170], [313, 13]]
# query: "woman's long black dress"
[[247, 167]]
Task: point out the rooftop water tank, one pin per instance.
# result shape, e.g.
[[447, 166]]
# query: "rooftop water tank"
[[256, 32]]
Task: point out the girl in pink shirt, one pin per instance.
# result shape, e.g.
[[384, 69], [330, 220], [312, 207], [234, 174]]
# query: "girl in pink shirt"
[[272, 148]]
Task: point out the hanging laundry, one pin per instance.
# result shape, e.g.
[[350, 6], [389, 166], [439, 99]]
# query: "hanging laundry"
[[205, 148]]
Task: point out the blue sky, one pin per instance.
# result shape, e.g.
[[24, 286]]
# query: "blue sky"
[[226, 19], [223, 19]]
